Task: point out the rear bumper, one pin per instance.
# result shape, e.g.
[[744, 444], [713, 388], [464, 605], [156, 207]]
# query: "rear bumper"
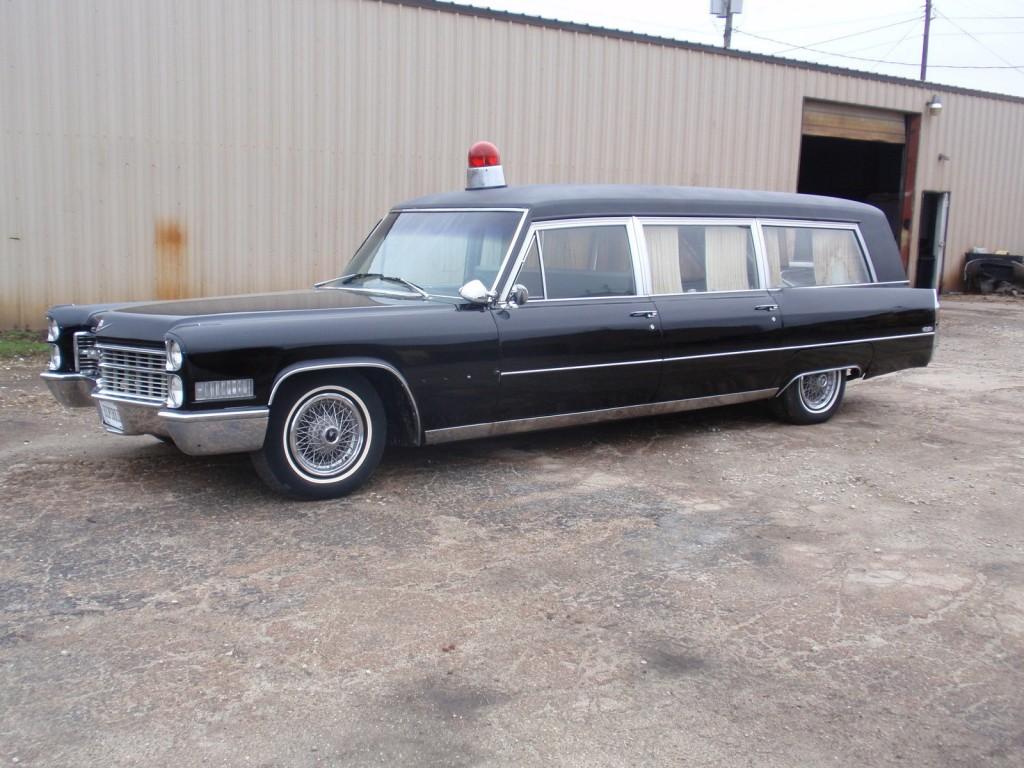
[[198, 433], [72, 390]]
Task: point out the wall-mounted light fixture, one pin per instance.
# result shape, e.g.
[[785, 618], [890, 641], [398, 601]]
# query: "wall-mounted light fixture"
[[934, 106]]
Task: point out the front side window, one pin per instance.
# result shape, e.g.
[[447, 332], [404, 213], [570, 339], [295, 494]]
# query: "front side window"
[[579, 262], [697, 258], [438, 251], [808, 256], [530, 275]]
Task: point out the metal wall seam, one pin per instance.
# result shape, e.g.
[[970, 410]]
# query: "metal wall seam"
[[191, 148]]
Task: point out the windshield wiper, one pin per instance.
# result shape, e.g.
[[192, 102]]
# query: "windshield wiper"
[[346, 279]]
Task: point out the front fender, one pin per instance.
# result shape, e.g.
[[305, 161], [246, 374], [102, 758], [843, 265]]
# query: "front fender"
[[310, 366]]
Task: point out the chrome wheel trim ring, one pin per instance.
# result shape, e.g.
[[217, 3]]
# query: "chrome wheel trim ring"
[[327, 434], [818, 391]]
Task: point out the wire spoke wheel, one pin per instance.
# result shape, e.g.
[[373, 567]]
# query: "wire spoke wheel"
[[818, 391], [326, 434]]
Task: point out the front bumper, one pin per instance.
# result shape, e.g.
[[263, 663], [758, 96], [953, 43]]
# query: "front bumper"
[[72, 390], [198, 433]]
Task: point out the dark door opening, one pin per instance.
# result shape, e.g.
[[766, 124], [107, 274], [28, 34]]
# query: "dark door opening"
[[866, 171], [931, 239]]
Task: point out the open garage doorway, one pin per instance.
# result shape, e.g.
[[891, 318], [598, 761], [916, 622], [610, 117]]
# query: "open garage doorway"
[[860, 153], [868, 171]]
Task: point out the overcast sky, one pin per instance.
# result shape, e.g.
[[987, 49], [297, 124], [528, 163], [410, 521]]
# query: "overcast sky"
[[965, 33]]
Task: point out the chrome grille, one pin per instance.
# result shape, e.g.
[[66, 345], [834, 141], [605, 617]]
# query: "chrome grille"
[[86, 354], [133, 372]]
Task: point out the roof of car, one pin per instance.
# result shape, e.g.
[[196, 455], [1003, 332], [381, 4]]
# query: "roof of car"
[[553, 201]]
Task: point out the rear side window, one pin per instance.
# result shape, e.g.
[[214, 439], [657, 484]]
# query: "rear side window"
[[807, 256], [579, 262], [697, 258]]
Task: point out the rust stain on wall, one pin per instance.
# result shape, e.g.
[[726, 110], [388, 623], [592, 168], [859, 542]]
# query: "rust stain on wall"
[[170, 241]]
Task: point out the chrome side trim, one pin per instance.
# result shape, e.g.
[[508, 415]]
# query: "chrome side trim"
[[580, 367], [848, 369], [720, 354], [513, 426], [840, 285], [801, 346], [354, 362]]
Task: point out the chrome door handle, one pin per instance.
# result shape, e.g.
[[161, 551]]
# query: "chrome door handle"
[[767, 307], [644, 313]]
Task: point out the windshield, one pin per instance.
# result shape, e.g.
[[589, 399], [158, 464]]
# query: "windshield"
[[437, 251]]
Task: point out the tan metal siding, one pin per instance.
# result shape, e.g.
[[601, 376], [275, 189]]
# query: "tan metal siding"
[[201, 148]]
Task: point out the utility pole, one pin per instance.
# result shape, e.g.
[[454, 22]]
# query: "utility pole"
[[725, 9], [728, 25], [924, 47]]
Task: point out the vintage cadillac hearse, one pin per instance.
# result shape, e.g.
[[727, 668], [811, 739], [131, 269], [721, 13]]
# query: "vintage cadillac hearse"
[[502, 309]]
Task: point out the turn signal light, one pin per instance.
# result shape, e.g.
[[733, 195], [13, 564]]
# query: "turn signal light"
[[228, 389]]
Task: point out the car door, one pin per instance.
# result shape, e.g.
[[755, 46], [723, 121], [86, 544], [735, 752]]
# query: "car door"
[[584, 340], [836, 314], [721, 327]]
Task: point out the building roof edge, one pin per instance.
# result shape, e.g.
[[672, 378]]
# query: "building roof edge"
[[587, 29]]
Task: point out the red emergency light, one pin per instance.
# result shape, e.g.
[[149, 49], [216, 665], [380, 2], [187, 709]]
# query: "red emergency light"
[[484, 171], [483, 153]]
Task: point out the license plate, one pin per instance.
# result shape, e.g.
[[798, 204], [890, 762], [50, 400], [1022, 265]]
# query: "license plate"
[[111, 416]]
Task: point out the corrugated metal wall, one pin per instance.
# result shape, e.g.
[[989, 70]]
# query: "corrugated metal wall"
[[194, 147]]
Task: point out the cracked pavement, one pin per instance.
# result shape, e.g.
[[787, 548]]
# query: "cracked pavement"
[[707, 589]]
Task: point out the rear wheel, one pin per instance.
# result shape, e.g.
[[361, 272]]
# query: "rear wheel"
[[325, 437], [812, 398]]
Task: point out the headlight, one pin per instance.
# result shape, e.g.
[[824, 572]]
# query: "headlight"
[[175, 392], [52, 329], [175, 357], [55, 359]]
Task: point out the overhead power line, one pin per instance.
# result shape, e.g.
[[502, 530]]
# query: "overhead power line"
[[791, 46], [994, 53], [986, 18], [838, 22], [853, 34]]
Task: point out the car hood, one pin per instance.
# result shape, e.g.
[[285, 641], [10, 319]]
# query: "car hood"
[[150, 321]]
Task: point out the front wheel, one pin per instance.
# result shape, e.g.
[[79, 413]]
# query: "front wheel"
[[812, 398], [325, 437]]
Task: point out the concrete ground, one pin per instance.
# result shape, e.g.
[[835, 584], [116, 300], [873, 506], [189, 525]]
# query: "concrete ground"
[[711, 589]]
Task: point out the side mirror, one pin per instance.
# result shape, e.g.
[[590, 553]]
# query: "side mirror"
[[476, 292], [519, 295]]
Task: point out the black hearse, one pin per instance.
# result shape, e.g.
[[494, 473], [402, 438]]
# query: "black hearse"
[[505, 309]]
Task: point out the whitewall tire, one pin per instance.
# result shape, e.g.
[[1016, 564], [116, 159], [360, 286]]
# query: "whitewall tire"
[[325, 437]]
